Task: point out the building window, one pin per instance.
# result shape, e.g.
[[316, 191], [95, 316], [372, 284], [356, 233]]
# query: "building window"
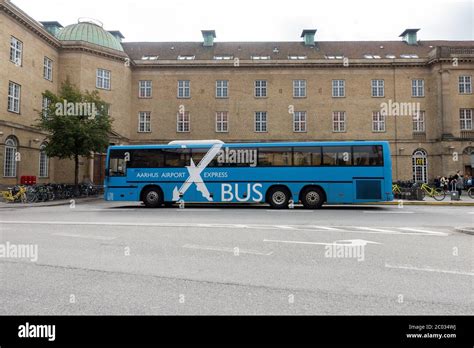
[[417, 88], [43, 162], [378, 122], [144, 89], [260, 88], [184, 89], [222, 121], [14, 94], [465, 116], [339, 121], [222, 89], [465, 86], [48, 69], [16, 49], [299, 121], [299, 88], [419, 165], [45, 106], [419, 122], [338, 88], [183, 124], [103, 79], [9, 162], [378, 88], [261, 121], [144, 122]]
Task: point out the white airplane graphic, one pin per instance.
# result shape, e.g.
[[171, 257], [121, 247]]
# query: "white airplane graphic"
[[195, 175]]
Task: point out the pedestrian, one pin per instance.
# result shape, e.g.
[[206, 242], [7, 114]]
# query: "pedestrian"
[[444, 183], [459, 184]]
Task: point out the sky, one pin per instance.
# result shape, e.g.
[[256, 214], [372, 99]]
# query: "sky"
[[265, 20]]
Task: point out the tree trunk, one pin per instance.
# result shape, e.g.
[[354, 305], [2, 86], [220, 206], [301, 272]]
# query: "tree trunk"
[[76, 170]]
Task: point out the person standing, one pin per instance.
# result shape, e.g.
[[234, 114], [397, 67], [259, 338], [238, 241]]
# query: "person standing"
[[459, 183]]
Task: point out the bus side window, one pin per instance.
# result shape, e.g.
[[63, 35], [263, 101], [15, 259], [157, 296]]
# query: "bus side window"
[[307, 156], [177, 157], [117, 164], [274, 156], [337, 156], [368, 155]]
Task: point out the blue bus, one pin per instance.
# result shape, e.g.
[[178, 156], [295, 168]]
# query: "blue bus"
[[278, 173]]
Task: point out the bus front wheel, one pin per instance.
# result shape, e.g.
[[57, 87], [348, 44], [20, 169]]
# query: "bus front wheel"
[[278, 197], [312, 198], [152, 197]]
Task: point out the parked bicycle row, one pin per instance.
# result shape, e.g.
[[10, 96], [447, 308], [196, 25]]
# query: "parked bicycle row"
[[48, 192], [418, 191]]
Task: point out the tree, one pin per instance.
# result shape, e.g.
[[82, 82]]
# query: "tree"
[[77, 124]]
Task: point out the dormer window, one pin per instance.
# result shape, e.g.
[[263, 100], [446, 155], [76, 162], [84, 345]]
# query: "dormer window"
[[149, 57], [223, 57], [390, 56], [260, 57], [180, 57], [371, 56], [297, 57], [408, 56]]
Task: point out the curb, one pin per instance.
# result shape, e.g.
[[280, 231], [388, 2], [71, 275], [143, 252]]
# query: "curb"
[[463, 204], [466, 230], [4, 205]]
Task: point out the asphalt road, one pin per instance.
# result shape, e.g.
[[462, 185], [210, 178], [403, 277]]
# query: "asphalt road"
[[121, 258]]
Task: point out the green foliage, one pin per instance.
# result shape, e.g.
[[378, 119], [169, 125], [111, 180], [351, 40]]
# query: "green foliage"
[[75, 132], [78, 134]]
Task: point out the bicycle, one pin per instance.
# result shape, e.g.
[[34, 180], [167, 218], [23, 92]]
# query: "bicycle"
[[396, 189], [15, 194], [435, 193], [470, 192]]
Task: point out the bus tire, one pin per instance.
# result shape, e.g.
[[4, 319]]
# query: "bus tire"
[[312, 197], [278, 197], [152, 197]]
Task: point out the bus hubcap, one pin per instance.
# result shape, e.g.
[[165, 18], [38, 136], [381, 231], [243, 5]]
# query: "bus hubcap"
[[279, 197], [312, 197], [152, 196]]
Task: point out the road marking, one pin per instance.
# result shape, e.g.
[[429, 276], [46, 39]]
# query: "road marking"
[[225, 249], [197, 209], [428, 269], [327, 228], [284, 227], [288, 211], [422, 231], [374, 229], [348, 242], [85, 236], [387, 212]]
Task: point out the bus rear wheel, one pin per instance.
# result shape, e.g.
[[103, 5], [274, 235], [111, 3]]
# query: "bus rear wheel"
[[152, 197], [312, 198], [279, 197]]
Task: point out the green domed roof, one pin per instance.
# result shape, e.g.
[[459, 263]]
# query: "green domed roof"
[[89, 32]]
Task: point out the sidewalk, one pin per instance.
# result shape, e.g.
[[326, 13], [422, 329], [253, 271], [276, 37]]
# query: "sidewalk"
[[78, 200], [465, 201]]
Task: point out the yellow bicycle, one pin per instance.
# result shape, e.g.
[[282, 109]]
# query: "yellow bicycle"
[[15, 194], [396, 189], [435, 193]]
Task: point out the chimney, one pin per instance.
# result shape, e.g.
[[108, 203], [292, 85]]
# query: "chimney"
[[409, 36], [117, 34], [52, 27], [208, 36], [308, 36]]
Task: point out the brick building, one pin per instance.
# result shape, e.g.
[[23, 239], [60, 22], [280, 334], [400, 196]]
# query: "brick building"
[[415, 94]]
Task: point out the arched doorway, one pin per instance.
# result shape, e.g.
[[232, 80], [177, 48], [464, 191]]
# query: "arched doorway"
[[420, 166], [468, 160]]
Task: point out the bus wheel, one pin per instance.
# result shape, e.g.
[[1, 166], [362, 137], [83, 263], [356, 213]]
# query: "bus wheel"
[[278, 197], [152, 197], [312, 198]]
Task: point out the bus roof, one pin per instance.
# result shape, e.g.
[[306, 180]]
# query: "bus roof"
[[200, 144]]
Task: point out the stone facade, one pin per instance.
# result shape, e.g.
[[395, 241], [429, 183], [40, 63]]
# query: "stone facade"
[[438, 63]]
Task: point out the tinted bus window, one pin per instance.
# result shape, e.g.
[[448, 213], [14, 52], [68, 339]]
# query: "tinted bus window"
[[368, 155], [307, 156], [147, 158], [274, 156], [177, 157], [198, 155], [337, 155], [117, 164]]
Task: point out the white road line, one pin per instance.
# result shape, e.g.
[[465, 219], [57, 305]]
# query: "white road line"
[[387, 212], [294, 242], [422, 231], [284, 227], [428, 269], [327, 228], [85, 236], [235, 250], [373, 229], [288, 211], [198, 210]]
